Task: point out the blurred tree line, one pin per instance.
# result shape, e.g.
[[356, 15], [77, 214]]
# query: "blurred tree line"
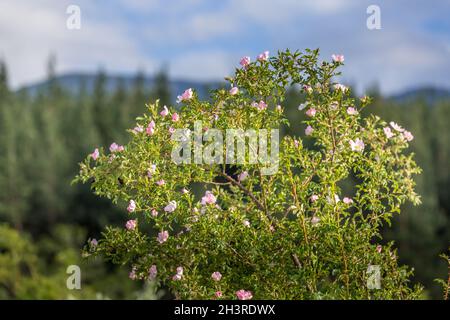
[[44, 221]]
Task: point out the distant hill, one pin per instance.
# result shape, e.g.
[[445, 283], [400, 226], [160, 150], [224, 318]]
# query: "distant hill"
[[429, 94], [72, 82]]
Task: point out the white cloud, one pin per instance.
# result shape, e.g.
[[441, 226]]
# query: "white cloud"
[[30, 32]]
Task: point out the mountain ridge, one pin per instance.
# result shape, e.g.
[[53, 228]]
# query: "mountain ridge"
[[74, 81]]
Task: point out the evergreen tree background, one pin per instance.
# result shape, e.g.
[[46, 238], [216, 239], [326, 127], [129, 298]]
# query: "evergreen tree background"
[[44, 221]]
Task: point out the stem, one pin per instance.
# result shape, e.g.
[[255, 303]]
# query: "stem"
[[248, 193]]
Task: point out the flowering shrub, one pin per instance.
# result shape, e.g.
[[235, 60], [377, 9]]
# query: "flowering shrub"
[[250, 234]]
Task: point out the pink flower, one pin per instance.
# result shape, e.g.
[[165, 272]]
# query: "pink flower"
[[260, 106], [408, 135], [307, 88], [296, 143], [216, 276], [154, 213], [151, 128], [132, 275], [314, 198], [245, 61], [244, 295], [175, 117], [208, 198], [242, 176], [340, 87], [131, 206], [315, 220], [234, 91], [164, 112], [171, 206], [162, 236], [246, 223], [352, 111], [347, 200], [138, 129], [178, 275], [388, 132], [160, 182], [311, 112], [151, 171], [114, 147], [186, 96], [357, 145], [337, 58], [152, 272], [218, 294], [131, 224], [263, 56], [94, 242], [379, 248], [309, 130], [171, 130], [396, 127], [94, 155]]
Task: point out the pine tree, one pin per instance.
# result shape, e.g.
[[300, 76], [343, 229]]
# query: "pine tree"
[[161, 88]]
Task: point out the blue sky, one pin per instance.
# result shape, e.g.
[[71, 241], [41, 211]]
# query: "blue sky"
[[204, 39]]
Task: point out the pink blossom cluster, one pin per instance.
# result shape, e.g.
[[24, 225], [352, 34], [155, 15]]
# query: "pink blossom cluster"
[[179, 275], [216, 276], [245, 61], [171, 206], [208, 198], [95, 154], [244, 295], [152, 272], [164, 112], [233, 91], [162, 236], [347, 200], [337, 58], [185, 96], [131, 224], [404, 133], [311, 112], [357, 145], [114, 147], [259, 105], [131, 206], [151, 128], [132, 275]]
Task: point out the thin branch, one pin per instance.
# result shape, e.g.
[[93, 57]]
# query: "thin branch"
[[296, 260], [246, 191]]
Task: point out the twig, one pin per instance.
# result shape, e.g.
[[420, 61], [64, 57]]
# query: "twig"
[[246, 191], [296, 260]]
